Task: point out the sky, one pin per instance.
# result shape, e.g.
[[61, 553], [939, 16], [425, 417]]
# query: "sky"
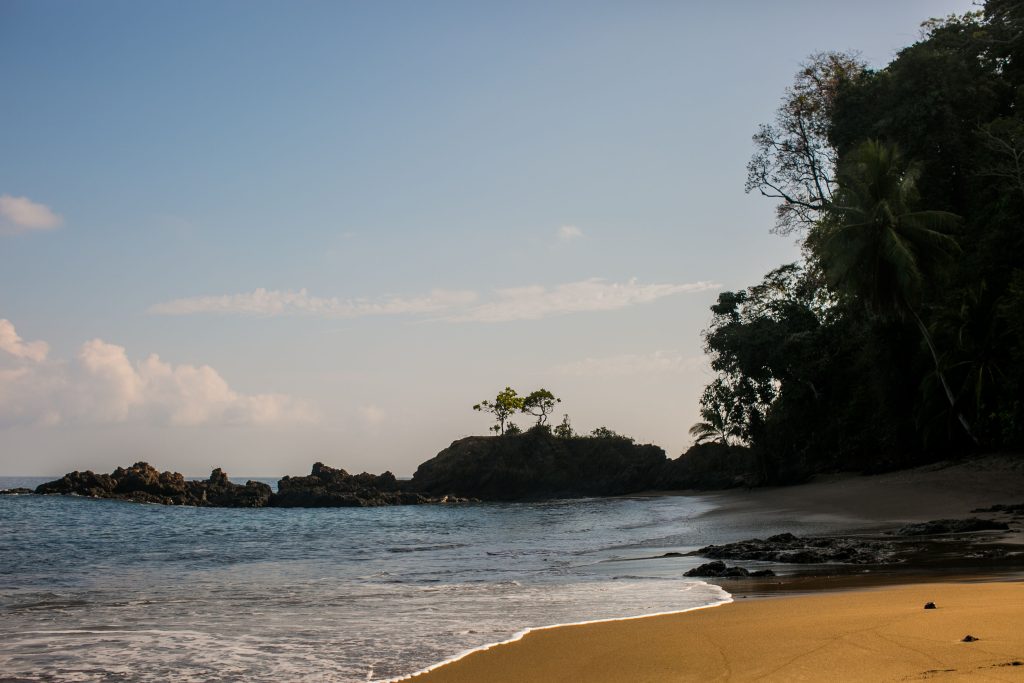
[[255, 235]]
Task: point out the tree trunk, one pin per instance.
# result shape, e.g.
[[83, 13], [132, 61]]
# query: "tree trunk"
[[942, 377]]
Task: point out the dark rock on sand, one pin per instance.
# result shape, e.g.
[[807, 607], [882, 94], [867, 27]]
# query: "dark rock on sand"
[[950, 526], [929, 605], [1015, 508], [789, 549], [969, 639], [718, 569]]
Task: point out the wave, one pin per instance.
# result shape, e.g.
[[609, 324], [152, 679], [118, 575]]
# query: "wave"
[[519, 635]]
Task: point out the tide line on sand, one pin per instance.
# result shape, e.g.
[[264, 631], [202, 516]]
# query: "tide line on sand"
[[877, 634], [726, 598]]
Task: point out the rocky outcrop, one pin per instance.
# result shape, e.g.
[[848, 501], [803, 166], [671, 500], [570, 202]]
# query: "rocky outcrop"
[[324, 487], [143, 483], [950, 526], [329, 487], [719, 570], [536, 465], [17, 491], [790, 549]]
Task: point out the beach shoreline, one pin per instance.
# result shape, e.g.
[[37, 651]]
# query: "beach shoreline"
[[870, 505], [865, 634], [519, 635]]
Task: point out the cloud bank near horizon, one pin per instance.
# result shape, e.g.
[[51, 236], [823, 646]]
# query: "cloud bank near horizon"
[[532, 302], [270, 302], [633, 364], [102, 386]]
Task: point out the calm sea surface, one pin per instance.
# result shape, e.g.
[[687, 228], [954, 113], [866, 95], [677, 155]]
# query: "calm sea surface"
[[96, 590]]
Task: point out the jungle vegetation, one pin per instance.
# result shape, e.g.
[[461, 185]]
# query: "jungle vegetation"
[[898, 338]]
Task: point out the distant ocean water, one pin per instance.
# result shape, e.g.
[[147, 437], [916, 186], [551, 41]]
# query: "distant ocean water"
[[99, 590]]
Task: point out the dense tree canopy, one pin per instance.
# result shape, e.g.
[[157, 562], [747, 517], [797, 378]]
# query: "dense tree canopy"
[[900, 337]]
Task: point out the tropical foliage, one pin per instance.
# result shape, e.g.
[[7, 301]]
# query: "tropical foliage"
[[540, 404], [899, 337]]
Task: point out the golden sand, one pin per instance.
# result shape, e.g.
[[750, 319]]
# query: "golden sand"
[[869, 635]]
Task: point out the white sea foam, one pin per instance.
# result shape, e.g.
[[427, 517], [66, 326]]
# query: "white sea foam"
[[519, 635], [317, 595]]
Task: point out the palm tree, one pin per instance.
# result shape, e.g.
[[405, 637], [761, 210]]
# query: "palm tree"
[[875, 247], [721, 414], [712, 430]]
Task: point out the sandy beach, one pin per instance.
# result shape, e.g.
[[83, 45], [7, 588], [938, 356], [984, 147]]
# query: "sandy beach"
[[824, 627], [867, 635]]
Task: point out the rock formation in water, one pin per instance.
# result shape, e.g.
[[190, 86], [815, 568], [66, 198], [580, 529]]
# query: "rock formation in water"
[[143, 483], [324, 487], [536, 465], [329, 487], [533, 465]]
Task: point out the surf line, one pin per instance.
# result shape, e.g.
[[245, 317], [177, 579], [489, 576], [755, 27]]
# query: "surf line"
[[530, 629]]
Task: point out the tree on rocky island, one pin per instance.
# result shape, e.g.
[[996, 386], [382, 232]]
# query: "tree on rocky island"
[[605, 433], [506, 404], [564, 430], [540, 404]]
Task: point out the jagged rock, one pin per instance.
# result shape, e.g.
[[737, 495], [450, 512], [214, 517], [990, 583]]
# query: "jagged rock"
[[929, 605], [86, 483], [718, 569], [950, 526], [324, 487], [143, 483], [789, 549], [714, 568], [18, 491], [329, 487]]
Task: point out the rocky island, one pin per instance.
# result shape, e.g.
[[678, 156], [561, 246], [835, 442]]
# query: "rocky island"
[[533, 465]]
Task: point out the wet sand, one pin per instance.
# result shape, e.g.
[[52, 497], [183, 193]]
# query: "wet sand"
[[853, 625], [865, 635]]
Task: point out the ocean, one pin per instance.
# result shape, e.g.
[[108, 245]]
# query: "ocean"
[[100, 590]]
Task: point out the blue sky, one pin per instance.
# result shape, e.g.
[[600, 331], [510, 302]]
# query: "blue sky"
[[339, 225]]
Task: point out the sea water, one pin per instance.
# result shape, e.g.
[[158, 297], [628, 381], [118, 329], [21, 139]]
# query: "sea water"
[[101, 590]]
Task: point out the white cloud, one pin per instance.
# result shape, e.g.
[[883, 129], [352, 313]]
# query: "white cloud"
[[12, 344], [275, 302], [517, 303], [21, 214], [101, 385], [568, 233], [630, 365], [536, 302]]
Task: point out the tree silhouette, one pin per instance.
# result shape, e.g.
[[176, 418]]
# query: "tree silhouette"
[[876, 248]]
